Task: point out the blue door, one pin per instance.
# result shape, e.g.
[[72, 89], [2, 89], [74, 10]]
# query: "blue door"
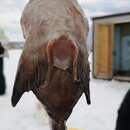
[[125, 54], [117, 50], [122, 49]]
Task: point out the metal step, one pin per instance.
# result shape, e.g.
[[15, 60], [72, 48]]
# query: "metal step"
[[122, 78]]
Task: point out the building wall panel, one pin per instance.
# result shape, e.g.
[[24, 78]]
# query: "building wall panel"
[[102, 52]]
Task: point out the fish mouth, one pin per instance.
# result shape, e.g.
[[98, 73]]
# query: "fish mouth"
[[62, 53]]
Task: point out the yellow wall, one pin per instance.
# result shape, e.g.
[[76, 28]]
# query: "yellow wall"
[[103, 37]]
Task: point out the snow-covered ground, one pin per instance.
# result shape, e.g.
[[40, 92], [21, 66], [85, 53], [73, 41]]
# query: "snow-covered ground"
[[106, 97]]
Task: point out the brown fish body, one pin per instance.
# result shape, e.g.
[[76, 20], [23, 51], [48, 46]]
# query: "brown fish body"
[[60, 96], [54, 61]]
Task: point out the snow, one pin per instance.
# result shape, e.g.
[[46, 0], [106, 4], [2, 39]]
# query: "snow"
[[106, 97]]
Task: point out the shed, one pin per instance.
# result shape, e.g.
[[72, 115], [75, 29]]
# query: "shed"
[[111, 46]]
